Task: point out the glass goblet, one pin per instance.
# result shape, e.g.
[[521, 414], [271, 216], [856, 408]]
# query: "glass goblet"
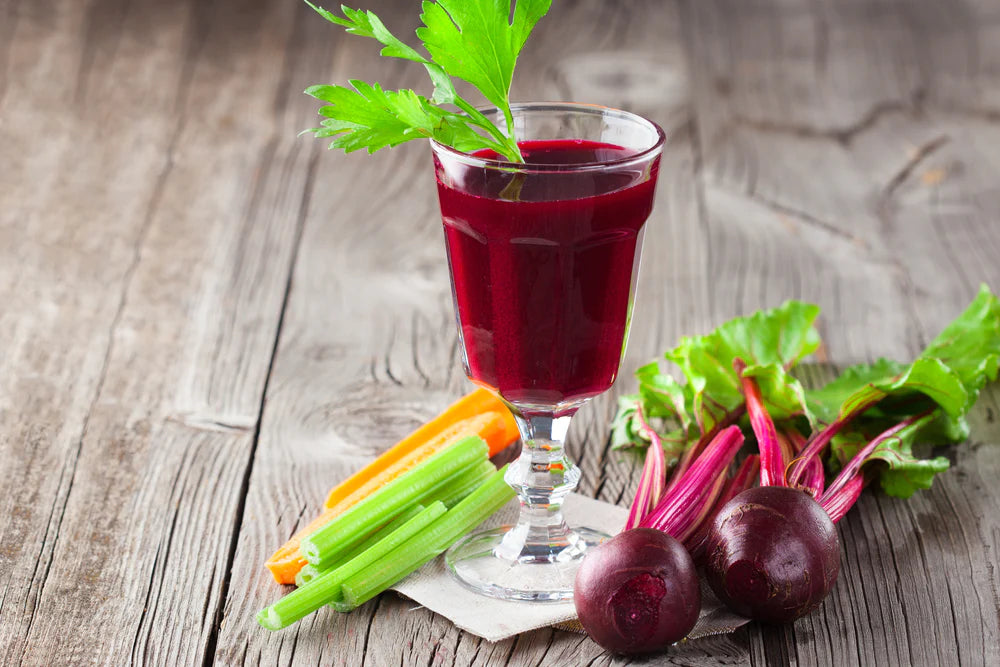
[[543, 259]]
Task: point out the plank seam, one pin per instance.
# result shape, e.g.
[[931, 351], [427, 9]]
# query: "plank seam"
[[127, 277], [368, 630], [213, 638], [148, 613]]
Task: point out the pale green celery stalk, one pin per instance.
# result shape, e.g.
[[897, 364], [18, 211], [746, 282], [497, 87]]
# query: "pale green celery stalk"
[[462, 485], [304, 601], [329, 544], [432, 541], [453, 491], [309, 573]]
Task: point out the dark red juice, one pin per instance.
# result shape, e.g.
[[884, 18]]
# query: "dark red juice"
[[542, 268]]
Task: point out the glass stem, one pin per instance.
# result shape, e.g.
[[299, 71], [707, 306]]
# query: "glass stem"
[[542, 477]]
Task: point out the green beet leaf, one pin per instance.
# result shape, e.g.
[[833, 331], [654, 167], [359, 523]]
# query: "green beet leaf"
[[970, 345], [662, 396], [945, 379], [864, 385], [903, 472], [770, 341], [780, 336], [784, 396], [949, 373]]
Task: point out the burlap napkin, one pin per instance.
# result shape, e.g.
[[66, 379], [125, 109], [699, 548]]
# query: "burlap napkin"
[[434, 588]]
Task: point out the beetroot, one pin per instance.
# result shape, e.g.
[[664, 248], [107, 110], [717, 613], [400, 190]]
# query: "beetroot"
[[773, 554], [637, 592]]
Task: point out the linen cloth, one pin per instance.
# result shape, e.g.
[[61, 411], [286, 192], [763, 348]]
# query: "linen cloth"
[[433, 587]]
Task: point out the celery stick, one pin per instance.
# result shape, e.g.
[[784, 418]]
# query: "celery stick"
[[309, 573], [462, 485], [326, 588], [437, 537], [455, 488], [328, 544], [384, 531]]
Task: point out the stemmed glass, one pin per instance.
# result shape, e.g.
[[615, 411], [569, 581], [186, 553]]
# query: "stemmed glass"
[[543, 259]]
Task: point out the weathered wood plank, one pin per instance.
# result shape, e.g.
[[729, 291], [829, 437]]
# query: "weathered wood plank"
[[69, 229], [842, 124], [175, 300]]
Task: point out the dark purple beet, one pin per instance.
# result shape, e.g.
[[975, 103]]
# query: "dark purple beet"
[[638, 592], [773, 554]]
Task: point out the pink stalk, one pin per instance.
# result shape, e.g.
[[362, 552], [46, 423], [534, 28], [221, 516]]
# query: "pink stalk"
[[817, 443], [772, 465], [706, 505], [744, 478], [692, 452], [681, 505], [651, 481], [814, 477], [839, 504], [787, 449], [737, 484], [853, 467]]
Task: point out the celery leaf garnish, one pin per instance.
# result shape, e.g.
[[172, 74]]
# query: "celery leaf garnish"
[[476, 41]]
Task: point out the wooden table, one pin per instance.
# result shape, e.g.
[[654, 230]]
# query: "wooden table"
[[206, 321]]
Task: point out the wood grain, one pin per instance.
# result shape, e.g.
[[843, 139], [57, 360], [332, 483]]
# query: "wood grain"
[[158, 219], [208, 321]]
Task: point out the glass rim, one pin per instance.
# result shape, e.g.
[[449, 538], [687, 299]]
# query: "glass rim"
[[572, 167]]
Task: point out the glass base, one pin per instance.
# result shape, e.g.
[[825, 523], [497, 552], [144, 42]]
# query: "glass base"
[[484, 562]]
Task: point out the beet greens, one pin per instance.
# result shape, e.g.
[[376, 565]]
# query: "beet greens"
[[827, 426]]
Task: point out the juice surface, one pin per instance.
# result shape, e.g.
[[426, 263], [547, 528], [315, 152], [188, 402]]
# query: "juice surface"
[[543, 284]]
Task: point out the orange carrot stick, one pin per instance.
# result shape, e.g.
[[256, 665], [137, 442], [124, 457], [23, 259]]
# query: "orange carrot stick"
[[473, 403], [497, 428]]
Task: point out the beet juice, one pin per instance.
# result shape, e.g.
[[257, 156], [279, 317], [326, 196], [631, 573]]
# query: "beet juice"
[[543, 262]]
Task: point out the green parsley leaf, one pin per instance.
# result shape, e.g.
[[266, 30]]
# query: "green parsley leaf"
[[371, 118], [474, 40]]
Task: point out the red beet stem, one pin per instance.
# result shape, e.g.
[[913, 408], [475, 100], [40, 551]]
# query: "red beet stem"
[[817, 443], [744, 478], [839, 504], [853, 467], [692, 452], [814, 477], [652, 479], [680, 507], [772, 465]]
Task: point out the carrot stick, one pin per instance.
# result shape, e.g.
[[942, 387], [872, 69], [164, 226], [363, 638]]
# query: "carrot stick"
[[496, 428], [476, 402]]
